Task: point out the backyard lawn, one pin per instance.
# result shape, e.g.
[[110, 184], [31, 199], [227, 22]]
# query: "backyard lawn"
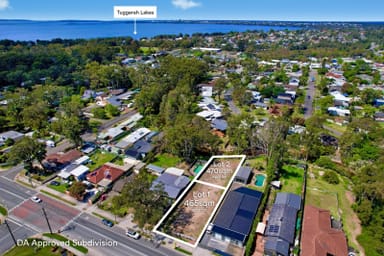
[[257, 162], [332, 197], [99, 158], [292, 179], [166, 160]]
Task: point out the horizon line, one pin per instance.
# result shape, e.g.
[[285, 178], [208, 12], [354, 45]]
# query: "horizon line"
[[178, 20]]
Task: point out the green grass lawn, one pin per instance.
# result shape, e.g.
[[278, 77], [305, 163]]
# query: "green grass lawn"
[[99, 158], [32, 250], [166, 160], [331, 197], [61, 188], [336, 127], [257, 162], [292, 179], [3, 211], [119, 160]]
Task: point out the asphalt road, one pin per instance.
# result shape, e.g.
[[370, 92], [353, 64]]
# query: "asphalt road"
[[116, 120], [308, 104], [19, 231], [234, 109], [12, 194], [89, 228], [26, 220]]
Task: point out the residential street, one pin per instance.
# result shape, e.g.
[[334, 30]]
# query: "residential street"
[[308, 104], [228, 97], [26, 219]]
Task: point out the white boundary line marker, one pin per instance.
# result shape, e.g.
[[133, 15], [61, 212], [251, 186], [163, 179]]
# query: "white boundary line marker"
[[195, 180]]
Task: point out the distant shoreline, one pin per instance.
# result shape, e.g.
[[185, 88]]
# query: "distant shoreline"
[[227, 22]]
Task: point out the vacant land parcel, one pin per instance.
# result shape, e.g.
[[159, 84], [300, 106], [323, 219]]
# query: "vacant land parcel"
[[189, 216]]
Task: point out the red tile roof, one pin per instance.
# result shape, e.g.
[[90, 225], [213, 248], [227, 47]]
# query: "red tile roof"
[[330, 74], [105, 172], [318, 237], [64, 158]]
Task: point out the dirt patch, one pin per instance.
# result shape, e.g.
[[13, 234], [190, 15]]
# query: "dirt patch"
[[220, 171], [357, 230], [188, 219]]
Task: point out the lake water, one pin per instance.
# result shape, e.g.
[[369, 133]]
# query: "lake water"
[[47, 30]]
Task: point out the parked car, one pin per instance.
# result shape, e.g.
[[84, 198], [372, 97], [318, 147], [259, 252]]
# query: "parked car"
[[54, 183], [132, 234], [107, 222], [36, 199]]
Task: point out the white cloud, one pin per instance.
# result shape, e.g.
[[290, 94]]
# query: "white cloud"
[[183, 4], [4, 4]]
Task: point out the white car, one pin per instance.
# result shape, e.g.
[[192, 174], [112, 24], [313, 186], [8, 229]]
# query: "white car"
[[133, 234], [36, 199]]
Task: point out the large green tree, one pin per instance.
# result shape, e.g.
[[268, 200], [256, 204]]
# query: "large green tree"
[[149, 203], [27, 150], [188, 135]]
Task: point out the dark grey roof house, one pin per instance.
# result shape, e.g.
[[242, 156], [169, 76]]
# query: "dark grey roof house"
[[277, 245], [243, 174], [139, 150], [172, 184], [219, 124], [280, 232], [234, 220], [155, 169]]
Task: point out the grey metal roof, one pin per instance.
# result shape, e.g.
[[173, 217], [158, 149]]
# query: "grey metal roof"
[[142, 146], [155, 168], [274, 244], [172, 184], [244, 172], [114, 100], [219, 124], [290, 199], [236, 215], [11, 135], [282, 222]]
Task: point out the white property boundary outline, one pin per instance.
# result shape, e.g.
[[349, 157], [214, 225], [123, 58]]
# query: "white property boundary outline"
[[195, 180]]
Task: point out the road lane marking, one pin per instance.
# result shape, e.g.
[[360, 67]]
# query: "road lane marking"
[[6, 191], [124, 245]]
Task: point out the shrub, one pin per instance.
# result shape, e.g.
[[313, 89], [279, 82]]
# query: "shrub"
[[326, 162], [331, 177]]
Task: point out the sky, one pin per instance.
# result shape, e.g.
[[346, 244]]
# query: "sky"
[[285, 10]]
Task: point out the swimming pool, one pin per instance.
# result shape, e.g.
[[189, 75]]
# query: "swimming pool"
[[197, 169], [259, 180]]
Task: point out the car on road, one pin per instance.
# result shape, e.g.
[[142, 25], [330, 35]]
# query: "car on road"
[[107, 222], [36, 199], [55, 183], [132, 234]]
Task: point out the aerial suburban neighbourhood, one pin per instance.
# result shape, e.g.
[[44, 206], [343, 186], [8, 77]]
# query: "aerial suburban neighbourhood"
[[252, 142]]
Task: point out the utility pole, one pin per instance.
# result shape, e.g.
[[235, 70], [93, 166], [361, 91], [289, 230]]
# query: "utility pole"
[[46, 218], [10, 231]]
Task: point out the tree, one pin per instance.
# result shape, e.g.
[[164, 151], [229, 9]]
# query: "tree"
[[270, 139], [240, 131], [331, 177], [35, 116], [99, 113], [112, 110], [188, 135], [27, 150], [220, 85], [71, 122], [148, 203], [369, 95], [77, 190]]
